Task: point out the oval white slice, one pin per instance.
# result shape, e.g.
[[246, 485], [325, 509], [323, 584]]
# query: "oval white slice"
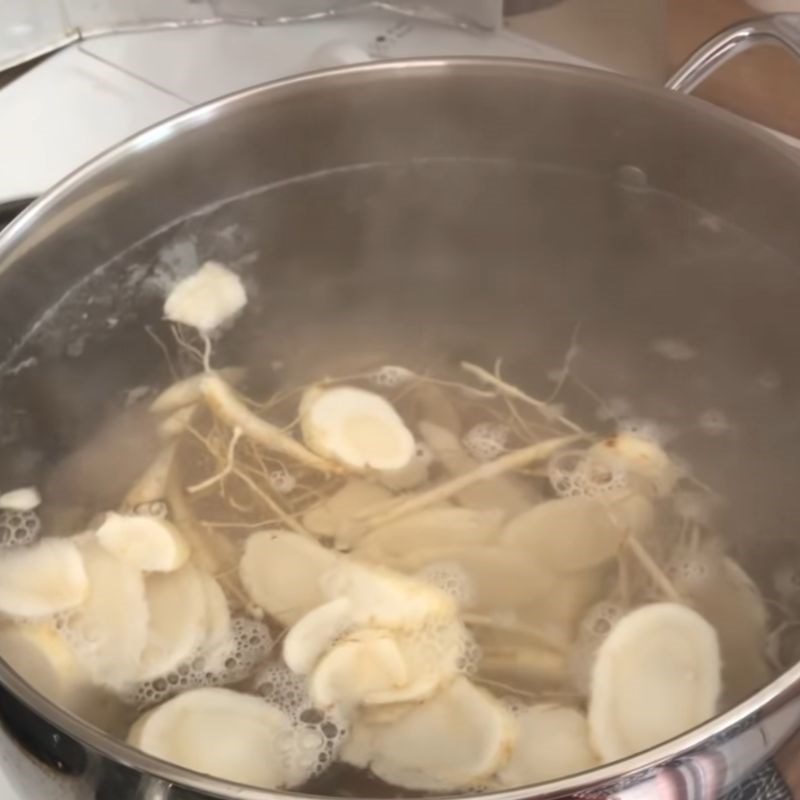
[[38, 652], [656, 675], [356, 668], [176, 603], [384, 598], [223, 733], [43, 579], [147, 543], [576, 533], [336, 515], [357, 428], [282, 571], [25, 499], [217, 614], [433, 527], [207, 298], [553, 742], [453, 740], [312, 635], [108, 631]]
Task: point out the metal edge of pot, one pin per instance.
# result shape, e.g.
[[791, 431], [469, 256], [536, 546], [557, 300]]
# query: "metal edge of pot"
[[24, 225]]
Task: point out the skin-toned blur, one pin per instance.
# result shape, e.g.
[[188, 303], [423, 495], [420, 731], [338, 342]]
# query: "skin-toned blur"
[[761, 84]]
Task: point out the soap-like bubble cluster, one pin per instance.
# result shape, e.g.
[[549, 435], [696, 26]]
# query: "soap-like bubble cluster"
[[153, 508], [315, 735], [390, 376], [18, 528], [574, 473], [487, 440], [282, 481], [452, 579], [231, 662]]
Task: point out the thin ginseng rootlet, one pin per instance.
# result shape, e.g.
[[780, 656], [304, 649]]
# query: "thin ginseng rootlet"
[[337, 571]]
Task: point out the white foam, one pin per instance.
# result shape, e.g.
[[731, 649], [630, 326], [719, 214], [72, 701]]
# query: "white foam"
[[390, 376], [231, 662], [487, 440], [451, 578], [18, 528]]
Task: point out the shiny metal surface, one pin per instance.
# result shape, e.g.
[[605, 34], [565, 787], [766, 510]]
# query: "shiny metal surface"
[[779, 29], [537, 195]]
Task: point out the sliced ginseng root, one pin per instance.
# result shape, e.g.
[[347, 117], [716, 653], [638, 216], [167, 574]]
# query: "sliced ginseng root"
[[44, 579], [282, 573], [176, 603], [108, 631], [356, 428], [40, 654], [656, 675], [447, 526], [577, 533], [25, 499], [552, 741], [148, 543], [230, 735], [455, 739], [378, 667], [336, 516], [207, 298]]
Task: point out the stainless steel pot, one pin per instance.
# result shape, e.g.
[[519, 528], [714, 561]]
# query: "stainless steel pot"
[[445, 207]]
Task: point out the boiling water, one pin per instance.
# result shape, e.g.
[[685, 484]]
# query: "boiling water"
[[524, 609]]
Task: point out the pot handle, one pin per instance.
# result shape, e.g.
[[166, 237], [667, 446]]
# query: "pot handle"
[[776, 29]]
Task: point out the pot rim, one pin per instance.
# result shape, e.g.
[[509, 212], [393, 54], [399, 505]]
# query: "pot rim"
[[14, 235]]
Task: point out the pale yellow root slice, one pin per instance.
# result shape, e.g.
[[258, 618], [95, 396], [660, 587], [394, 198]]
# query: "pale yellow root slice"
[[356, 428], [108, 631], [655, 676], [336, 516], [44, 579], [453, 740], [499, 578], [281, 571], [148, 543], [24, 499], [553, 742], [217, 615], [207, 298], [188, 391], [312, 635], [505, 492], [222, 733], [432, 527], [176, 603], [39, 653], [224, 403], [381, 597], [577, 533], [362, 664], [562, 609]]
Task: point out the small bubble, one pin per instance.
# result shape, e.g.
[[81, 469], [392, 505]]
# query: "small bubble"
[[673, 349]]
